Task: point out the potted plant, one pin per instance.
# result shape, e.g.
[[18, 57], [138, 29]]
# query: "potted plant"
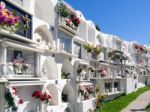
[[97, 50], [75, 20], [63, 11], [88, 47]]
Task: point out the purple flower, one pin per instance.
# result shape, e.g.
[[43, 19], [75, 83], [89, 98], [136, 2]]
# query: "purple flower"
[[11, 21], [17, 19], [8, 12], [3, 19]]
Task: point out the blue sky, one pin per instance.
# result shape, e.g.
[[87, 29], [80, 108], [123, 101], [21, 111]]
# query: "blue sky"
[[129, 19]]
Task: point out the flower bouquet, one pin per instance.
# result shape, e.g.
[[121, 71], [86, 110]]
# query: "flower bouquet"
[[97, 49], [25, 67], [12, 99], [8, 20], [15, 66], [44, 97]]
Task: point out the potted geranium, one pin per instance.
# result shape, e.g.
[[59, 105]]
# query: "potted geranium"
[[75, 20]]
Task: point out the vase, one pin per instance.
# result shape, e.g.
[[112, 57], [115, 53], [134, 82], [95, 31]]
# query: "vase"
[[44, 107]]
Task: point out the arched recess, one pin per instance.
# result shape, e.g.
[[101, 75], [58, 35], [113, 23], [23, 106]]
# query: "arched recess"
[[67, 94], [44, 10], [49, 68], [44, 37], [53, 90], [67, 69]]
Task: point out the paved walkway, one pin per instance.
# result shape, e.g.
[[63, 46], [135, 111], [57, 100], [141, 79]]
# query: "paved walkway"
[[139, 104]]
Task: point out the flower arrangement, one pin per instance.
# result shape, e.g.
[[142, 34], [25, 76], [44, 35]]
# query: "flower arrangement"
[[8, 20], [103, 72], [79, 70], [25, 66], [88, 47], [100, 101], [85, 91], [20, 66], [42, 96], [70, 18], [117, 56], [140, 49], [91, 69], [12, 98], [96, 50], [15, 64], [63, 10]]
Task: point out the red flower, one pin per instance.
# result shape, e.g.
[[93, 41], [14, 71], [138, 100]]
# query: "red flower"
[[21, 101], [45, 95], [141, 49], [136, 46], [49, 96], [37, 94], [43, 98]]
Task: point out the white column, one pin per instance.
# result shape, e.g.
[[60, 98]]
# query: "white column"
[[4, 59], [37, 67]]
